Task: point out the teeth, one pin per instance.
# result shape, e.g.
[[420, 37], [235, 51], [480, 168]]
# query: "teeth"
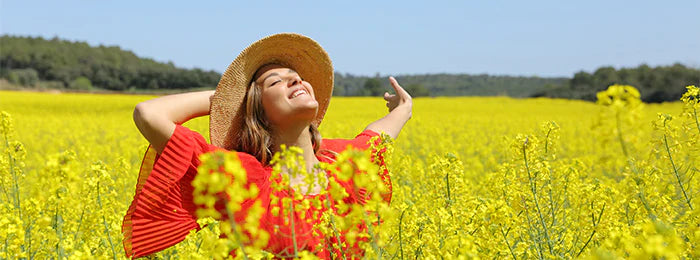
[[298, 93]]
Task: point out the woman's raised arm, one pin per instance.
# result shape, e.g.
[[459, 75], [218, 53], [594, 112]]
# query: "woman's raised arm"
[[156, 118], [400, 110]]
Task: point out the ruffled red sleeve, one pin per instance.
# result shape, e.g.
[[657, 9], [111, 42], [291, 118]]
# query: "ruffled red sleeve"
[[162, 212], [362, 142]]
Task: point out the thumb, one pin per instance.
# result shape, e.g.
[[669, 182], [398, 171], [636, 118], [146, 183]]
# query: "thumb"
[[387, 95]]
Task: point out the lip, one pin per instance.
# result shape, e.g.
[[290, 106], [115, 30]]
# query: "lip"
[[296, 89]]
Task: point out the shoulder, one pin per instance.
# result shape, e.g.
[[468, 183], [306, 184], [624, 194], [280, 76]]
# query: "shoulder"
[[361, 142], [249, 162], [255, 171], [183, 136]]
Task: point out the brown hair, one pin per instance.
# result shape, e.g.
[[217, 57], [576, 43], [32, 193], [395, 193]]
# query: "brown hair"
[[256, 133]]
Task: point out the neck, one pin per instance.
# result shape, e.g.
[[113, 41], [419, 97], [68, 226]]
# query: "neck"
[[297, 135]]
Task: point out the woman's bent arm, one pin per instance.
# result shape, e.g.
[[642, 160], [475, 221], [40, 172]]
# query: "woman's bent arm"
[[156, 118], [400, 111]]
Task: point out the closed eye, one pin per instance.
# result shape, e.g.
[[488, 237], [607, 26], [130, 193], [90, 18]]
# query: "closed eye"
[[276, 81]]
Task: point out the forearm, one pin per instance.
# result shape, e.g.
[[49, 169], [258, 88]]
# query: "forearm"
[[177, 108], [156, 118], [392, 123]]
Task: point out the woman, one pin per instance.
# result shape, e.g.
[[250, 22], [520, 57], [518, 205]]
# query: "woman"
[[274, 93]]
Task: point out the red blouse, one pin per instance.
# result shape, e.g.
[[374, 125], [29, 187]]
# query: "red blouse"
[[163, 212]]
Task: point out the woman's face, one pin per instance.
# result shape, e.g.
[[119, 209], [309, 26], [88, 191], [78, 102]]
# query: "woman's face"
[[286, 98]]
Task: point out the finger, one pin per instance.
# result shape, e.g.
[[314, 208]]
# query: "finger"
[[399, 90], [394, 83], [389, 97]]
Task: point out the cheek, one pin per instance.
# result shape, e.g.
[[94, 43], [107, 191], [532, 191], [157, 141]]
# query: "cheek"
[[311, 89], [272, 101], [267, 104]]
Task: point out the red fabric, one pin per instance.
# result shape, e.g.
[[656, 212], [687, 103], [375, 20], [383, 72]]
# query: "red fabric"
[[162, 212]]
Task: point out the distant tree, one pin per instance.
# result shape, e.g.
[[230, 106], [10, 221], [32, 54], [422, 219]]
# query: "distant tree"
[[338, 90], [81, 83], [52, 84], [24, 77], [658, 84], [417, 90], [152, 84], [373, 87], [581, 80], [604, 77], [108, 67]]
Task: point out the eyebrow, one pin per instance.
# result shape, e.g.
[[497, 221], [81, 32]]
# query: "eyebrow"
[[277, 74]]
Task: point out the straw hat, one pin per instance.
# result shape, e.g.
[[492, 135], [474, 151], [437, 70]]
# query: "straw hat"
[[295, 51]]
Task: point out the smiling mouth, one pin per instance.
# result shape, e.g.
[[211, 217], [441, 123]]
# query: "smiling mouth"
[[298, 92]]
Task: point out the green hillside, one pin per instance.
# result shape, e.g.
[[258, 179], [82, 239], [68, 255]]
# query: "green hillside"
[[34, 62], [77, 65]]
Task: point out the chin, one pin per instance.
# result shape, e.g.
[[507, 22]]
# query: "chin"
[[308, 112], [307, 105]]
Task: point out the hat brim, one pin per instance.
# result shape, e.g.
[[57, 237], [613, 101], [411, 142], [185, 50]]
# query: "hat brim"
[[295, 51]]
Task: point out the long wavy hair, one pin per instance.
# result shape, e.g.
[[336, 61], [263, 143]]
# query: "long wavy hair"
[[256, 134]]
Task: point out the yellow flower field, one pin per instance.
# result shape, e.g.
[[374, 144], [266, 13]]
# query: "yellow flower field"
[[473, 177]]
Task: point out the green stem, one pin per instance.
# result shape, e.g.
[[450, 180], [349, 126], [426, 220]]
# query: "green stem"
[[595, 227], [104, 222], [675, 171], [7, 246], [447, 181], [335, 229], [619, 136], [15, 187], [294, 233], [199, 245], [697, 124], [546, 142], [4, 191], [537, 205], [77, 231], [59, 232], [28, 236], [508, 244], [371, 232], [643, 197], [630, 222], [400, 237], [235, 232], [529, 231]]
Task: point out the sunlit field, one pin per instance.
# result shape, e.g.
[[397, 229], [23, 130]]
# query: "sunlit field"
[[473, 177]]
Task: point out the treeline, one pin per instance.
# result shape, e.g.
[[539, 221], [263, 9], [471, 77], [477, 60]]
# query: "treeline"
[[446, 85], [657, 84], [61, 64], [56, 63]]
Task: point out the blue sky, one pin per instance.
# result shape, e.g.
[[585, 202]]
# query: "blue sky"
[[542, 38]]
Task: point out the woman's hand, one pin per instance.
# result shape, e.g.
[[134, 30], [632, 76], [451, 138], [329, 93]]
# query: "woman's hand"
[[401, 98], [400, 110]]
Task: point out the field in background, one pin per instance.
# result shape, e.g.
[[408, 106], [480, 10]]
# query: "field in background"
[[486, 177]]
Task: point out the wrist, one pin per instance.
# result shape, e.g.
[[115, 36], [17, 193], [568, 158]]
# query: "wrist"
[[404, 110]]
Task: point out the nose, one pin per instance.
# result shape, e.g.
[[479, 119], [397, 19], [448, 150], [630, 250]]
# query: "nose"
[[296, 79]]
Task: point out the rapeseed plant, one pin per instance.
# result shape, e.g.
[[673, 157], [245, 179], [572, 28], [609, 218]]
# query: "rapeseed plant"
[[554, 187]]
